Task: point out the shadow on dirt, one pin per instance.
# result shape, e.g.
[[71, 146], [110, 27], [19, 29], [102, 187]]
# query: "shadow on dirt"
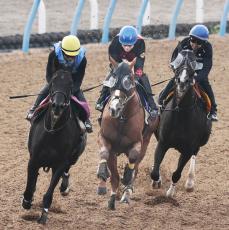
[[161, 200]]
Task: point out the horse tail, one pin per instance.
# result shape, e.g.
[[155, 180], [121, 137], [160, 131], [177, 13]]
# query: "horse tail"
[[46, 169]]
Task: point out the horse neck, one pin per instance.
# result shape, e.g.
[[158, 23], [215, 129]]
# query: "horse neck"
[[188, 99], [63, 118]]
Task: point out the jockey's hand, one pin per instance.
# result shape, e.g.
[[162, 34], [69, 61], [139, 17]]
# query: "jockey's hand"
[[126, 61]]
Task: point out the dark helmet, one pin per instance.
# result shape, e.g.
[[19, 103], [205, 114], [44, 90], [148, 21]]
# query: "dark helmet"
[[200, 32], [128, 35]]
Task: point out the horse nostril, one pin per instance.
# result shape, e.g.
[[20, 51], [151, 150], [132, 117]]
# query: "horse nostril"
[[53, 104]]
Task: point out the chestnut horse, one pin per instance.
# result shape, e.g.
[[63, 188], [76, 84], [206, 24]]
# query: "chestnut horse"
[[123, 130]]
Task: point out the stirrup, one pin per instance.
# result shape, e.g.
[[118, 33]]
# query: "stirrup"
[[99, 107], [212, 117], [88, 126], [30, 115]]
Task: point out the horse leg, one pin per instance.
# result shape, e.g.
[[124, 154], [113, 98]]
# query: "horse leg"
[[158, 157], [189, 185], [112, 164], [183, 159], [64, 187], [32, 172], [103, 172], [47, 198]]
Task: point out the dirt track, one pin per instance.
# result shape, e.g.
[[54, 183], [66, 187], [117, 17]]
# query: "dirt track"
[[206, 208]]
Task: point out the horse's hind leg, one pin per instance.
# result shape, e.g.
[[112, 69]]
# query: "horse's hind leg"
[[158, 157], [135, 156], [64, 187], [183, 159], [112, 164], [47, 198], [32, 174]]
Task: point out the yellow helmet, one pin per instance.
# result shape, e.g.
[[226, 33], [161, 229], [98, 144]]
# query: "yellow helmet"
[[70, 45]]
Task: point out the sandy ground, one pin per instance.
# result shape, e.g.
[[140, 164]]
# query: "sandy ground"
[[206, 208], [59, 14]]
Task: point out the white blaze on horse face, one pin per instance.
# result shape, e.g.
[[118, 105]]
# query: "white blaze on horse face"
[[183, 76], [115, 104]]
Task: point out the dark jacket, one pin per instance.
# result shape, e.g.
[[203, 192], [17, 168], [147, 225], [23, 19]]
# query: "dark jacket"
[[203, 55], [117, 53], [54, 65]]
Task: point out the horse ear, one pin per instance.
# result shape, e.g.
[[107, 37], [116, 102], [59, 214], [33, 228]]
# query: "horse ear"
[[113, 62]]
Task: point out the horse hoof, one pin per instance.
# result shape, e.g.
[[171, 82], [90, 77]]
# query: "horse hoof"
[[189, 186], [101, 190], [156, 184], [65, 192], [43, 218], [26, 204], [111, 203], [125, 200]]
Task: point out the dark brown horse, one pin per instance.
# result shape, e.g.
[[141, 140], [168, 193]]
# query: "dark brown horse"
[[123, 130], [56, 141], [183, 124]]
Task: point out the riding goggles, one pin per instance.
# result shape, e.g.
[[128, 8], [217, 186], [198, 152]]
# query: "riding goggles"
[[196, 41]]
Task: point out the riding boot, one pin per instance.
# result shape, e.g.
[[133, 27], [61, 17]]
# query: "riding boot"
[[41, 96], [208, 89], [101, 101], [153, 110], [88, 125], [165, 92]]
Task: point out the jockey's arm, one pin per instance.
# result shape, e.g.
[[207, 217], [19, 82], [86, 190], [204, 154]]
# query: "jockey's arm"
[[51, 65], [207, 65], [140, 57], [79, 75]]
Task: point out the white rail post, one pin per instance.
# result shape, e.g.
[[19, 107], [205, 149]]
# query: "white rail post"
[[94, 14], [41, 18], [199, 11]]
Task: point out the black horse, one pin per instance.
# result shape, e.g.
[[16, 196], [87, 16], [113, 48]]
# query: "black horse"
[[183, 123], [56, 140]]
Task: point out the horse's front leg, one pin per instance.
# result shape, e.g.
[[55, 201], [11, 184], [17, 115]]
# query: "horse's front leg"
[[112, 164], [47, 198], [158, 157], [64, 187], [135, 155], [189, 185], [103, 172], [32, 174], [183, 159]]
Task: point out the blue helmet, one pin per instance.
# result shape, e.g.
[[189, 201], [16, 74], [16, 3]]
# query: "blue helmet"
[[200, 32], [128, 35]]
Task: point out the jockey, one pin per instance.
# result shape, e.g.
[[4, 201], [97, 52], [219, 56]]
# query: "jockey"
[[198, 42], [127, 46], [67, 55]]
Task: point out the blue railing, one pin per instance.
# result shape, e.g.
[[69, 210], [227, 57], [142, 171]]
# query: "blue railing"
[[28, 27], [223, 22], [107, 21]]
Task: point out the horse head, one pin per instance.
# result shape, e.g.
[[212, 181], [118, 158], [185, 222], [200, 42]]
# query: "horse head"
[[184, 66], [121, 84], [60, 93]]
